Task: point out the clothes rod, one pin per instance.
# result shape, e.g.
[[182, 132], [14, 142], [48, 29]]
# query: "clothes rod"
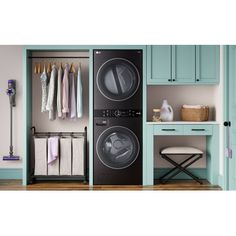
[[31, 57], [62, 134], [34, 133]]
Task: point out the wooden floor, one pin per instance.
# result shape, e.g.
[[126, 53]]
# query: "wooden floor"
[[174, 185]]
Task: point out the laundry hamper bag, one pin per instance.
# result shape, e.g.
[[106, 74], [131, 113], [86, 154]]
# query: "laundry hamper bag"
[[53, 168], [195, 114], [40, 149], [78, 156], [65, 156]]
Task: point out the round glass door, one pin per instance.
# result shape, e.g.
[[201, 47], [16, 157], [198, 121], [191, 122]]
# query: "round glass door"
[[117, 147], [118, 79]]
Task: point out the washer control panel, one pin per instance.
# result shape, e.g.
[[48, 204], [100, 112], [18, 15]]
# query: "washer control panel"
[[117, 113]]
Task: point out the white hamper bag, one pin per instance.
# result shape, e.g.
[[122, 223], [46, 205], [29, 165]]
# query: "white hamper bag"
[[65, 156], [40, 150], [78, 156], [53, 168]]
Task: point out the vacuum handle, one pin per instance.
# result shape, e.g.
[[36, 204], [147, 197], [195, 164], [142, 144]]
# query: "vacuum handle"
[[11, 146]]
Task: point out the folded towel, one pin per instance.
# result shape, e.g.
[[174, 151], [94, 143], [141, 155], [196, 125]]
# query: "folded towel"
[[52, 149], [193, 106]]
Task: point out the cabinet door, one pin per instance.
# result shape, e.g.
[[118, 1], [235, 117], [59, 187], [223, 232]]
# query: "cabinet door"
[[184, 58], [230, 97], [208, 64], [159, 64]]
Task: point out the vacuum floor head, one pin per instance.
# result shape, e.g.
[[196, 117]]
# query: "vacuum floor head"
[[11, 158]]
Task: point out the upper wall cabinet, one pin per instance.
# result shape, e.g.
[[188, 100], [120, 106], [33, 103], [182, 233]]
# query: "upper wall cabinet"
[[183, 64], [207, 64], [160, 63], [184, 60]]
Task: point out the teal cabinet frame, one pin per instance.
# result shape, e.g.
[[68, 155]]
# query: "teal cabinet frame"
[[27, 94], [212, 148], [230, 115]]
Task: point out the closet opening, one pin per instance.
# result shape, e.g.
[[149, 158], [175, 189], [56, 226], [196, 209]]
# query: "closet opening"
[[59, 115]]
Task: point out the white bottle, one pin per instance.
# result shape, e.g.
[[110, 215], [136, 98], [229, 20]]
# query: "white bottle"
[[167, 113]]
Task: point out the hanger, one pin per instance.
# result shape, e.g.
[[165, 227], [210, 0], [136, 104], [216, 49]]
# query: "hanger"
[[44, 67], [39, 69], [49, 68], [72, 68], [35, 69]]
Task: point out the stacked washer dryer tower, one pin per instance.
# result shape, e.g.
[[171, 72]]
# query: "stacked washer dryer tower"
[[117, 117]]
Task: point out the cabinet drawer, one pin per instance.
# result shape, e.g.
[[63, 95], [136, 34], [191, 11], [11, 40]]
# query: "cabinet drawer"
[[198, 130], [168, 130]]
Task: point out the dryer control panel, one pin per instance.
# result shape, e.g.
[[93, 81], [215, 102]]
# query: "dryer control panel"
[[117, 113]]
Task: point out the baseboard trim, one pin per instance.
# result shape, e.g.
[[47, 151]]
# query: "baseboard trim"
[[199, 172], [10, 173]]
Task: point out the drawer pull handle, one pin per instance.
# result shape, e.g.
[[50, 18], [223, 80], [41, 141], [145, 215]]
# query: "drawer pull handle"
[[168, 129], [198, 130]]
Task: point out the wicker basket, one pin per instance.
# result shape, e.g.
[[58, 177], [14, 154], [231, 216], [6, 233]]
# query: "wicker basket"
[[193, 114]]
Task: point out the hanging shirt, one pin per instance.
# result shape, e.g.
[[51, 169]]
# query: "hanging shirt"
[[65, 91], [44, 84], [72, 96], [59, 92], [79, 94], [51, 102]]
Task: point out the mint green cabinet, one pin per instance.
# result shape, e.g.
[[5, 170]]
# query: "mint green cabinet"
[[230, 115], [183, 64], [184, 60], [207, 64], [159, 64], [210, 131]]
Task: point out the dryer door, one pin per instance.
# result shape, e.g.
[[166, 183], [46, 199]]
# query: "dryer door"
[[118, 79], [117, 147]]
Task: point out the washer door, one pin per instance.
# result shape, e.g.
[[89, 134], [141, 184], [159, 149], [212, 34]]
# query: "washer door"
[[117, 147], [118, 79]]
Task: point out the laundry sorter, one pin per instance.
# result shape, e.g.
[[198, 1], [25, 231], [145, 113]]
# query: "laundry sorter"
[[71, 163]]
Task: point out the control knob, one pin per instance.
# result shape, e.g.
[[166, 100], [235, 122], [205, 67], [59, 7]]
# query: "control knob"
[[117, 113]]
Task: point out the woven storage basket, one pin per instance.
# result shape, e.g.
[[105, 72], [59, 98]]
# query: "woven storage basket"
[[193, 114]]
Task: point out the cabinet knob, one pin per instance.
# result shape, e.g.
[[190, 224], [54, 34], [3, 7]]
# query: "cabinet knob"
[[197, 79], [173, 79], [227, 123], [169, 80]]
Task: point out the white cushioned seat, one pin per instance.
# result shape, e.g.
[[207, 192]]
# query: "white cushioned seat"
[[181, 150]]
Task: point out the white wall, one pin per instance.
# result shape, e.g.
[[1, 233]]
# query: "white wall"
[[11, 68]]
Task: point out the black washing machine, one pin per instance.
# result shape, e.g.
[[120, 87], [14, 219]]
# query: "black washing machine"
[[117, 117]]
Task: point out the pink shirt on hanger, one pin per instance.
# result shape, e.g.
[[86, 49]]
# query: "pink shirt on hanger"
[[65, 91]]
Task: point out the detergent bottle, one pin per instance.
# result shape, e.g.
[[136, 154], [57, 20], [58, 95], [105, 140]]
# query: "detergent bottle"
[[167, 113]]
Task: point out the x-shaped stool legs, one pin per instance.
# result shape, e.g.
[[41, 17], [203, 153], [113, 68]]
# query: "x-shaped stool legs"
[[180, 167]]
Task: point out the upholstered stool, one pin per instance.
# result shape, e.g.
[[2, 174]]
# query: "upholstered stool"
[[193, 154]]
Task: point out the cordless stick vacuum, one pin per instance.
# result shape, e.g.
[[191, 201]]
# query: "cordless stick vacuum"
[[11, 92]]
